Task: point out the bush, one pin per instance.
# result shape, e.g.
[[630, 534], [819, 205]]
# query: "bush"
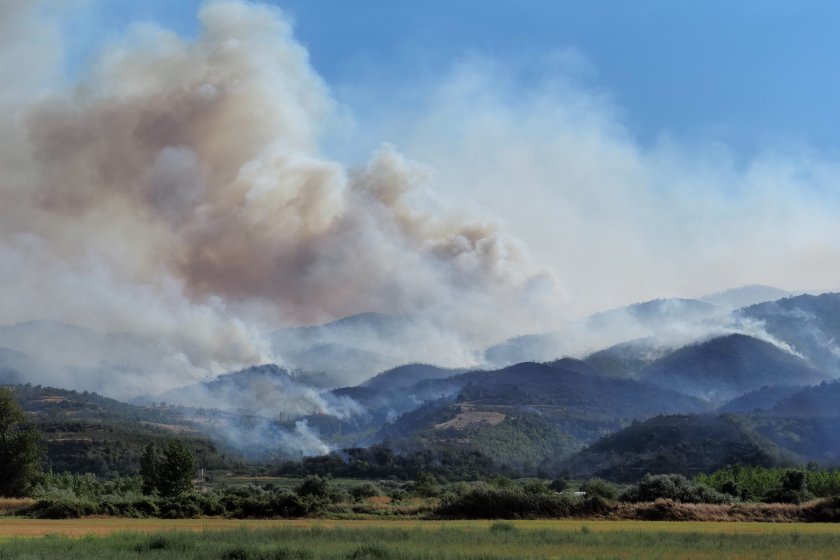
[[366, 490], [559, 485], [596, 487], [426, 485], [673, 487], [535, 487], [793, 489], [824, 511], [181, 507], [63, 509], [313, 486], [486, 501]]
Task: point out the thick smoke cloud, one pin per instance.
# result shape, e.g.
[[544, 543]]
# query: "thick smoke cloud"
[[177, 191]]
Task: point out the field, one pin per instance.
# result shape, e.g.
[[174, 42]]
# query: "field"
[[237, 540]]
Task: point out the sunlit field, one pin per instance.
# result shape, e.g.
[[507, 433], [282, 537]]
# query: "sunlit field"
[[229, 539]]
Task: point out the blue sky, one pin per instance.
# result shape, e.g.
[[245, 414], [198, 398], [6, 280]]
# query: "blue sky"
[[750, 74]]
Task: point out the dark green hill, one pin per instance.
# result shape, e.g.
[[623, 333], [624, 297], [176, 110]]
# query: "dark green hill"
[[728, 366], [529, 411], [404, 377], [761, 400], [685, 444], [85, 432], [819, 401], [627, 359]]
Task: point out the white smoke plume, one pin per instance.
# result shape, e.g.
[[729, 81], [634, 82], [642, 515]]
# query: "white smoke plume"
[[177, 191]]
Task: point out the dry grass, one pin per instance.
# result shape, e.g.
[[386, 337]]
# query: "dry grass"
[[668, 510], [10, 506]]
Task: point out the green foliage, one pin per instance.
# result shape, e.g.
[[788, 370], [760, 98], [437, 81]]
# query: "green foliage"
[[535, 487], [86, 486], [487, 501], [756, 483], [673, 487], [366, 490], [20, 452], [598, 487], [426, 485], [793, 489], [168, 472], [559, 485], [380, 462]]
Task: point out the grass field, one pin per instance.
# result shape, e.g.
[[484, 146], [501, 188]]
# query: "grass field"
[[269, 540]]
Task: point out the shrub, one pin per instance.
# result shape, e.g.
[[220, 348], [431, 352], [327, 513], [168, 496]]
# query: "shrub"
[[313, 486], [63, 509], [559, 485], [596, 487], [426, 485], [366, 490], [486, 501], [535, 487], [793, 489], [673, 487], [181, 507], [826, 511]]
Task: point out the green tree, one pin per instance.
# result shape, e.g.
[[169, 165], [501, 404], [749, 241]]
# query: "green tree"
[[149, 468], [169, 472], [20, 451]]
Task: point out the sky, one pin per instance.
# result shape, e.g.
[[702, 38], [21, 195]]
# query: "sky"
[[749, 74]]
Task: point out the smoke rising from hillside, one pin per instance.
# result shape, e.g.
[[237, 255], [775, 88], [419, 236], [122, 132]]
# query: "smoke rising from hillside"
[[178, 190]]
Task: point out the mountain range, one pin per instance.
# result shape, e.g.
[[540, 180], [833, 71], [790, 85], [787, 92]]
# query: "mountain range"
[[675, 384]]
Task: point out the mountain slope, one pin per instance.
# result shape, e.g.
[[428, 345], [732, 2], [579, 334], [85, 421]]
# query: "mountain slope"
[[736, 298], [761, 400], [403, 377], [632, 322], [549, 408], [674, 444], [725, 367], [809, 324]]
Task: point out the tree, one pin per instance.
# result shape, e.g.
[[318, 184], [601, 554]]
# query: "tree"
[[168, 472], [20, 450], [148, 468]]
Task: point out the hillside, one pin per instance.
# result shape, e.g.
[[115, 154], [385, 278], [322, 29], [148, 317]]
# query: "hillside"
[[761, 400], [820, 401], [674, 444], [404, 377], [627, 359], [348, 350], [632, 322], [85, 432], [809, 324], [544, 408], [728, 366]]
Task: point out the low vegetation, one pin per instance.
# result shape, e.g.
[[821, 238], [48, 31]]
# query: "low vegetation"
[[494, 541]]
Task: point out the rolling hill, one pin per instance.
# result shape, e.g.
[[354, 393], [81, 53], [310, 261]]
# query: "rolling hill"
[[725, 367], [684, 444], [808, 323]]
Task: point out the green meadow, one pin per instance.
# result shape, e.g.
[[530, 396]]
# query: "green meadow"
[[566, 540]]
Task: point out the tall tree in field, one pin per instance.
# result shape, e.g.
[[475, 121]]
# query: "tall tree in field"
[[20, 451], [170, 471]]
